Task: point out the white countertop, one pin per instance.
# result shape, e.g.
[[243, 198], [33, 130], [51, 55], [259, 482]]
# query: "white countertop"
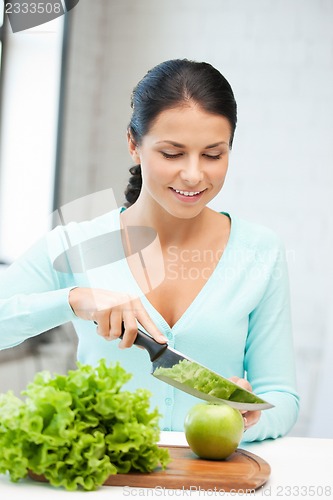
[[300, 468]]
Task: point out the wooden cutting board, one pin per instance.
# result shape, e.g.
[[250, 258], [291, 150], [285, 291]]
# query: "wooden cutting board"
[[242, 470]]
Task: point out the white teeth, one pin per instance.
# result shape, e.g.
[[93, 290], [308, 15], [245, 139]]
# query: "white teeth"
[[187, 193]]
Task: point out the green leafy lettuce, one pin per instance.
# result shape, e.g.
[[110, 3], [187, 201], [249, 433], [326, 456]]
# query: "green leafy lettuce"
[[200, 378], [79, 428]]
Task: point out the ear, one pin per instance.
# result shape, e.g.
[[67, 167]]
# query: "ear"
[[133, 149]]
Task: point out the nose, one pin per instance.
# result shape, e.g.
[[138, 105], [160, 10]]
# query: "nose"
[[192, 173]]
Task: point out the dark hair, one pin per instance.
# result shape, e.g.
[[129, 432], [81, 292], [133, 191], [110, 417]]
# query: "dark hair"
[[168, 85]]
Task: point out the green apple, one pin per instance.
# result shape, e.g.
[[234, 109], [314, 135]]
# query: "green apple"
[[213, 431]]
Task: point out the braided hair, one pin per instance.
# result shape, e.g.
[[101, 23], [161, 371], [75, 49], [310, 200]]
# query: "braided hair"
[[134, 185]]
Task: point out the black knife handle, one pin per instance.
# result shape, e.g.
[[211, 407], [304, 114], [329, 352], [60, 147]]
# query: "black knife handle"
[[154, 348]]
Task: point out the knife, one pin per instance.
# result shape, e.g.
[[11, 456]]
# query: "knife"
[[181, 372]]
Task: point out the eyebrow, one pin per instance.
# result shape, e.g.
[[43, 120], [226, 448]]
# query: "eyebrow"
[[178, 145]]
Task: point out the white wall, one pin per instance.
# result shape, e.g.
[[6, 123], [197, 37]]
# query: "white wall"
[[278, 57]]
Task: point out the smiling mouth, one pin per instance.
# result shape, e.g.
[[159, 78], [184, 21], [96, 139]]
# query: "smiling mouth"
[[188, 193]]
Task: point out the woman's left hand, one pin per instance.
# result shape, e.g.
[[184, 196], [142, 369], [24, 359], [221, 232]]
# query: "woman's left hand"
[[250, 417]]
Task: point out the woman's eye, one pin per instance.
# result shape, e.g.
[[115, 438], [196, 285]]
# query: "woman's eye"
[[213, 157], [171, 156]]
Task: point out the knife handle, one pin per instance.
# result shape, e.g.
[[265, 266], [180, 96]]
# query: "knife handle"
[[154, 348]]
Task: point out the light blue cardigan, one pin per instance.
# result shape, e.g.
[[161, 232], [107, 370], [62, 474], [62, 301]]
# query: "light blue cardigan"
[[238, 324]]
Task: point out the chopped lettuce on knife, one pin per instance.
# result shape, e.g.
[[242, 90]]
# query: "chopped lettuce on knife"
[[200, 378], [78, 429]]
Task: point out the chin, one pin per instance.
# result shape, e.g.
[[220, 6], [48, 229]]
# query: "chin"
[[188, 213]]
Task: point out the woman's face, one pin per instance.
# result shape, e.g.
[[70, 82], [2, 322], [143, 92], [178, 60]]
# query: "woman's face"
[[184, 159]]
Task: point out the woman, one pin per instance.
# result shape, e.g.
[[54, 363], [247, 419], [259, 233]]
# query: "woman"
[[217, 285]]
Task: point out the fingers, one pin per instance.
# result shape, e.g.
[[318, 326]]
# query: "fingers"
[[242, 382], [110, 310], [103, 326], [251, 418], [131, 330], [109, 325], [146, 321], [110, 322], [116, 320]]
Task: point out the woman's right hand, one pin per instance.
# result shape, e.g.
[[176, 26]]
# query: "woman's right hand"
[[109, 310]]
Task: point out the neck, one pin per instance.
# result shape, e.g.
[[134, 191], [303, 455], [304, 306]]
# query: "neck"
[[171, 230]]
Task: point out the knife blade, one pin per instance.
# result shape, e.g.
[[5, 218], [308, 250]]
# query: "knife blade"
[[172, 367]]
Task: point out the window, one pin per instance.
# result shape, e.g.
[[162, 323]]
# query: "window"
[[29, 118], [2, 9]]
